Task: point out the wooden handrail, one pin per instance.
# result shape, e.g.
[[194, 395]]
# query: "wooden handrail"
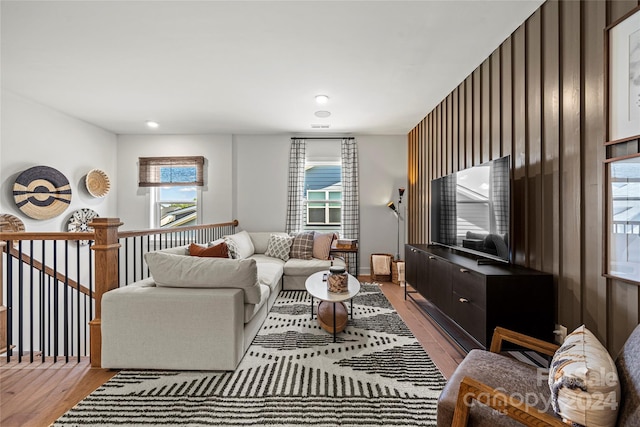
[[49, 271], [45, 235], [137, 233]]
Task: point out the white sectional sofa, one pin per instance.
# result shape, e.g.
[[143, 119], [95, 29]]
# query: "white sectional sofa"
[[198, 313]]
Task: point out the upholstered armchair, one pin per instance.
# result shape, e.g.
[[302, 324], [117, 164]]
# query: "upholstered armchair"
[[493, 390]]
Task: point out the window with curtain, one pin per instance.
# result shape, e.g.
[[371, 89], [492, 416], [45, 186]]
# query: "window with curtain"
[[176, 188]]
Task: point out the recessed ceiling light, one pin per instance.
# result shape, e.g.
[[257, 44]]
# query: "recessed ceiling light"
[[152, 124], [322, 114], [322, 99]]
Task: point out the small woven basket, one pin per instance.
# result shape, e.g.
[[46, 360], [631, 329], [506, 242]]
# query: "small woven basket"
[[377, 275], [396, 278], [98, 184]]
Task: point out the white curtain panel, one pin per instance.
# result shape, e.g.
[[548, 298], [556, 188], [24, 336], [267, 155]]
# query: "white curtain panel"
[[295, 189], [350, 193]]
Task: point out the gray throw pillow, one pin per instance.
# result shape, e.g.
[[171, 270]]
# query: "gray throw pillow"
[[302, 247]]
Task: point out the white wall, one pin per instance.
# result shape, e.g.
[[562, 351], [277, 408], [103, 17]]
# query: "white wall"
[[217, 200], [32, 135], [260, 189]]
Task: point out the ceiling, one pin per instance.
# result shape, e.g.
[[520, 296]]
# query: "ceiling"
[[248, 67]]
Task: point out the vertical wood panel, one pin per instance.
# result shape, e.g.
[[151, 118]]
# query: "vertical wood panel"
[[469, 122], [519, 148], [455, 137], [569, 298], [477, 118], [551, 145], [594, 294], [496, 102], [462, 125], [506, 52], [485, 90], [539, 98], [534, 139]]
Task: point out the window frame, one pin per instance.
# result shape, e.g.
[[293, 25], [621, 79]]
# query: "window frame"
[[327, 207]]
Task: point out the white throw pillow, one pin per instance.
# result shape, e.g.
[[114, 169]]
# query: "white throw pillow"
[[279, 246], [243, 245], [584, 381], [179, 271]]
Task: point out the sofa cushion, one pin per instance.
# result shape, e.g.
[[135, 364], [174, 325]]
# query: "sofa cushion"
[[250, 310], [302, 247], [243, 245], [322, 245], [178, 271], [279, 246], [270, 270], [510, 376], [216, 251], [260, 239], [299, 267], [584, 381], [628, 364]]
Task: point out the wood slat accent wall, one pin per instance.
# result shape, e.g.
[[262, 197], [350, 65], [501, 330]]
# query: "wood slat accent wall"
[[539, 97]]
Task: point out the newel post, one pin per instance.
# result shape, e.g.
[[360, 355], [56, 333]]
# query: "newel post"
[[106, 277]]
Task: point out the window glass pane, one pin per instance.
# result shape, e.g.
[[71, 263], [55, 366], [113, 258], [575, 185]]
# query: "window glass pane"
[[177, 214], [316, 215], [331, 204], [335, 195], [177, 194], [316, 205], [316, 195], [178, 174], [334, 215]]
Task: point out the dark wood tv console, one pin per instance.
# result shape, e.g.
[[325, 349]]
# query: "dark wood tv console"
[[469, 296]]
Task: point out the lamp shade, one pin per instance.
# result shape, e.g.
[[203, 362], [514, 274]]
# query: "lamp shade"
[[391, 206]]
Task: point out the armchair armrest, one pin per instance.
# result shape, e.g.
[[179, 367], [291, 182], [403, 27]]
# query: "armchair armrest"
[[535, 344], [511, 406]]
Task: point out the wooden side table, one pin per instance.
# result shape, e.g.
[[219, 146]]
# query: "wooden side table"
[[346, 253]]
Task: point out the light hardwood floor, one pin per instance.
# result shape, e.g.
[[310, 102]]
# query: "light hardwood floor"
[[36, 394]]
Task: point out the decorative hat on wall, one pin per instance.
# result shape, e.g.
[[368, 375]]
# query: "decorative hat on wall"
[[42, 192], [98, 184]]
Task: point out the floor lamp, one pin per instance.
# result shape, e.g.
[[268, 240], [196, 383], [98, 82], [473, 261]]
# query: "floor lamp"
[[392, 206]]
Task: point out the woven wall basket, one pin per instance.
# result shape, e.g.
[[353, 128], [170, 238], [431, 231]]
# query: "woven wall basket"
[[11, 223], [42, 192], [97, 182]]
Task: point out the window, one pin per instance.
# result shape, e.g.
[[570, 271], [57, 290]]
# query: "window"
[[324, 207], [176, 182], [323, 195]]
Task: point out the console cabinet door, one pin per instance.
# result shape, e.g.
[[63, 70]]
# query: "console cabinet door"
[[412, 261], [439, 283], [469, 303]]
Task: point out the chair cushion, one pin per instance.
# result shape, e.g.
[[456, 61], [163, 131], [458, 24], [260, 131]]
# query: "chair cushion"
[[179, 271], [322, 245], [628, 365], [508, 375], [302, 247], [300, 267], [584, 381], [216, 251], [243, 247], [279, 246], [270, 270]]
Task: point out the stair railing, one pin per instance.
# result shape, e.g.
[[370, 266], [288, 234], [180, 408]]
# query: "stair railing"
[[52, 284]]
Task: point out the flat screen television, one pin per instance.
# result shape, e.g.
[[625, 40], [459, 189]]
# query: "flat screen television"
[[471, 210]]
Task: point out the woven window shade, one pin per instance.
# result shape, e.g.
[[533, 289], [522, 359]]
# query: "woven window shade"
[[150, 168]]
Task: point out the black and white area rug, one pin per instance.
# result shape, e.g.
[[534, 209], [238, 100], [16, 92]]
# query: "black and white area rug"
[[292, 375]]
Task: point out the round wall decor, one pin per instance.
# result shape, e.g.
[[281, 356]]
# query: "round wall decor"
[[11, 223], [42, 192], [79, 222], [97, 183]]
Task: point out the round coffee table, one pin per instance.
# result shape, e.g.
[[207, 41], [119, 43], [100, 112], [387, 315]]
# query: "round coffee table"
[[332, 312]]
